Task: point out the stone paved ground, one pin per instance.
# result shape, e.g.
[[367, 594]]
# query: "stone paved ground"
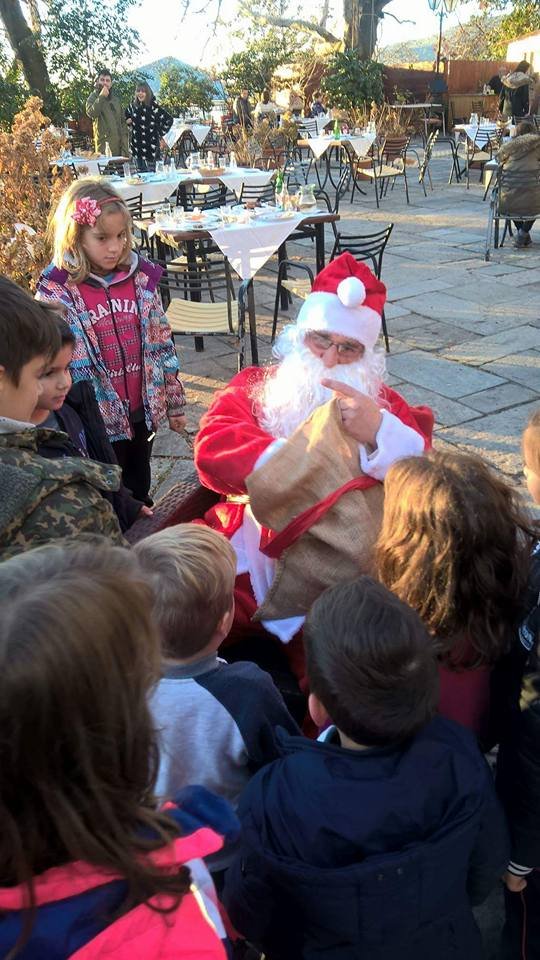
[[464, 334], [465, 338]]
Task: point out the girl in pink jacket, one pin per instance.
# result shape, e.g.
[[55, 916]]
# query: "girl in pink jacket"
[[89, 867]]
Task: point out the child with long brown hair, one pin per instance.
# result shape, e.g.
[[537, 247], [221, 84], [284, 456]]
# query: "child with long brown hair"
[[455, 545], [88, 865], [123, 341]]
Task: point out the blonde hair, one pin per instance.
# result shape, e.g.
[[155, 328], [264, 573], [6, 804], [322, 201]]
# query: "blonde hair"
[[531, 443], [191, 571], [65, 234]]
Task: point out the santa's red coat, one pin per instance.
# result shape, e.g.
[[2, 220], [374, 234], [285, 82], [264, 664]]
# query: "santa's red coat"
[[230, 441]]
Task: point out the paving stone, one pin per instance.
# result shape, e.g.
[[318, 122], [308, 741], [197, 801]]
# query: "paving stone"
[[442, 376], [414, 288], [483, 350], [435, 334], [447, 412], [496, 437], [438, 252], [483, 320], [167, 443], [500, 398], [519, 367]]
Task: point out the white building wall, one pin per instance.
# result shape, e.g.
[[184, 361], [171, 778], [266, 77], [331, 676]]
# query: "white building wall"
[[527, 48]]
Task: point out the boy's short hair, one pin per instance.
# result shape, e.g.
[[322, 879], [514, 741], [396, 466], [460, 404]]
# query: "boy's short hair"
[[67, 336], [531, 443], [371, 663], [28, 328], [191, 570]]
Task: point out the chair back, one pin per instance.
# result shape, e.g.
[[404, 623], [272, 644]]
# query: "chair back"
[[514, 190], [393, 148], [134, 205], [111, 167], [477, 106], [307, 129], [428, 151], [205, 281], [368, 246], [203, 196], [262, 193]]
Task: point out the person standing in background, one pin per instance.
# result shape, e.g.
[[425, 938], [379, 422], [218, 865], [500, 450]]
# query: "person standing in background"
[[105, 110], [147, 122], [515, 93], [243, 110]]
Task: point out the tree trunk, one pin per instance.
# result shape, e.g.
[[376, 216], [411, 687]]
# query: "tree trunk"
[[361, 21], [26, 48]]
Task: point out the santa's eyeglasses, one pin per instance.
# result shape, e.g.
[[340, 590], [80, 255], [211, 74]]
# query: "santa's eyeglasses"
[[351, 350]]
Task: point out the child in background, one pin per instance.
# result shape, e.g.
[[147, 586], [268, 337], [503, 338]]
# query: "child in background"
[[40, 500], [73, 410], [518, 764], [375, 842], [88, 865], [455, 545], [217, 720], [123, 341]]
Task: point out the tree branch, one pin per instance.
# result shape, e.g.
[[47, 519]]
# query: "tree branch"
[[308, 25], [385, 13], [324, 14]]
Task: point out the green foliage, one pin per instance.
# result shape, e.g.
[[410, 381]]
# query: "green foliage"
[[523, 17], [13, 92], [350, 82], [85, 35], [182, 88], [255, 66]]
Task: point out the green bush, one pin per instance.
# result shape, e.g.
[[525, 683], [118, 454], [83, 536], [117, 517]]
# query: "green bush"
[[350, 83], [13, 93]]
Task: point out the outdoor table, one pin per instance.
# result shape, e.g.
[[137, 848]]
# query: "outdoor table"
[[155, 187], [421, 107], [246, 255], [199, 131], [92, 163], [353, 147], [471, 130]]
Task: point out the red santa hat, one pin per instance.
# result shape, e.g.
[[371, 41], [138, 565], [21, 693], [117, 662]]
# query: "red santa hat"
[[347, 299]]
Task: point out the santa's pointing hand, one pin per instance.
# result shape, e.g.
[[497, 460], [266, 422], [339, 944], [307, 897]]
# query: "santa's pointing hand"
[[360, 414]]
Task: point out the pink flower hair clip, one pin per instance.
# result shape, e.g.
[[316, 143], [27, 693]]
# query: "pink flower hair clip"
[[86, 211]]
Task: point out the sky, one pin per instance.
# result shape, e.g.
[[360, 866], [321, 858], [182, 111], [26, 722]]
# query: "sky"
[[165, 35]]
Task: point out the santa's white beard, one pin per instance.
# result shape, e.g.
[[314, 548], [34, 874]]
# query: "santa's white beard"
[[288, 396]]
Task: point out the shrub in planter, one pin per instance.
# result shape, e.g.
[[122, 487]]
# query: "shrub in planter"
[[352, 83]]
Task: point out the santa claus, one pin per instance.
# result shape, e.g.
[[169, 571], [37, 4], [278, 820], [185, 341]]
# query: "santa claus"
[[328, 353]]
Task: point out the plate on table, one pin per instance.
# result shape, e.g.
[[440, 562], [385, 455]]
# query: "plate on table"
[[278, 214]]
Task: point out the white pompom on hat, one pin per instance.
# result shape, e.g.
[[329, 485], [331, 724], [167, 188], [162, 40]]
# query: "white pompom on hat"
[[346, 299]]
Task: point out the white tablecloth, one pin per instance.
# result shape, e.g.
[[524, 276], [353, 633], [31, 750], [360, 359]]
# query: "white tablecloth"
[[200, 132], [91, 164], [248, 246], [155, 189], [360, 144], [475, 131], [235, 179]]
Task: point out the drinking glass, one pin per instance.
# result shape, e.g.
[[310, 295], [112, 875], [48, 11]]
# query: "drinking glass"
[[127, 170], [159, 166]]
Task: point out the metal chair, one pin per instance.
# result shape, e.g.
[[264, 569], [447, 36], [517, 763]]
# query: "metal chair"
[[260, 193], [299, 286], [198, 302], [201, 196], [390, 164], [479, 151], [515, 183], [111, 168], [368, 246], [424, 166], [307, 128]]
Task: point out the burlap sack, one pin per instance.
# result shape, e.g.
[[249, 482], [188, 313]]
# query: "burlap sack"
[[317, 460]]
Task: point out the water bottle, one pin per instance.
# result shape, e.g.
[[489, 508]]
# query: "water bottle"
[[232, 161], [108, 151]]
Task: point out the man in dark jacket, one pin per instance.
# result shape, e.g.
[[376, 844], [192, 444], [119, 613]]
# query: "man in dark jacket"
[[376, 842]]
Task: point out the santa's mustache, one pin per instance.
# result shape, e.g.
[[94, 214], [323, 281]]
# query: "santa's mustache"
[[290, 393]]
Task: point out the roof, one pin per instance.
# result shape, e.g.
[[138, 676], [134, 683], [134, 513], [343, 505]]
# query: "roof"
[[525, 36]]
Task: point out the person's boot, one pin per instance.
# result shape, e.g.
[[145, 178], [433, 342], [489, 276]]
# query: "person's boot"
[[523, 239]]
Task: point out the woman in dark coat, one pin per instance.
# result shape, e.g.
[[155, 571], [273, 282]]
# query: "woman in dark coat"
[[515, 92], [522, 155], [147, 122]]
